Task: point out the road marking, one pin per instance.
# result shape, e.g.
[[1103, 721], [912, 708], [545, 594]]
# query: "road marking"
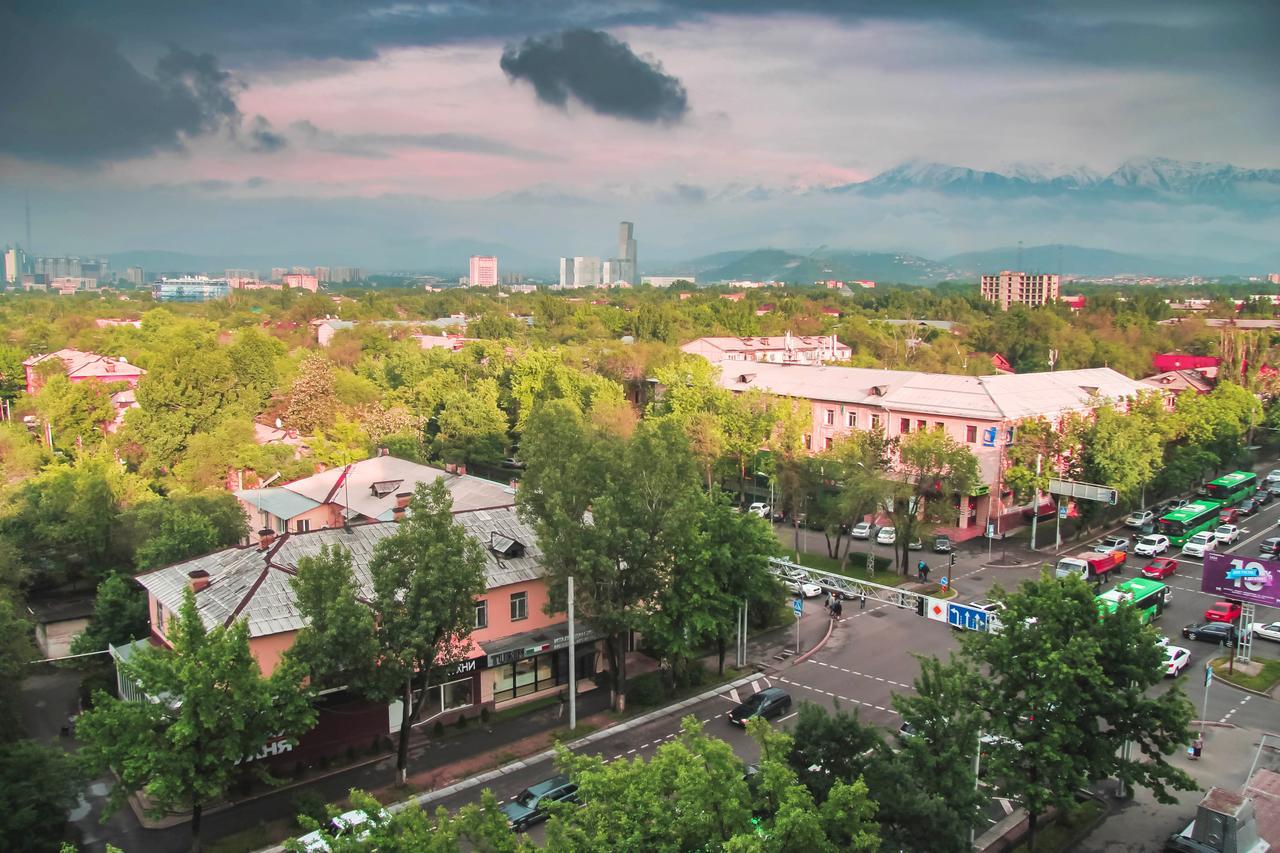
[[863, 674], [836, 696], [733, 696], [630, 751], [788, 716]]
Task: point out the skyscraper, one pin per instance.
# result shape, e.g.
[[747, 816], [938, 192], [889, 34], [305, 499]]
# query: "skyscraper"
[[484, 271], [15, 264], [586, 272], [626, 253]]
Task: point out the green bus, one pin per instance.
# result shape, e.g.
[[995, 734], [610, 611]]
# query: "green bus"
[[1230, 489], [1147, 597], [1183, 523]]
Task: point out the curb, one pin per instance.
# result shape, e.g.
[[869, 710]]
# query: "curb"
[[831, 624]]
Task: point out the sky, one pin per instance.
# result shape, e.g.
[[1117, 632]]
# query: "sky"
[[405, 134]]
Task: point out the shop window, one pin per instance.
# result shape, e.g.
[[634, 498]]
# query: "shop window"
[[482, 614], [449, 696], [519, 606]]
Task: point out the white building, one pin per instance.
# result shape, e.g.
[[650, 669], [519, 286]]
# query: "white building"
[[667, 280], [586, 272]]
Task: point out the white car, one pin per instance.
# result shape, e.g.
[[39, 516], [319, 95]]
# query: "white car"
[[886, 536], [806, 588], [1163, 642], [759, 509], [1198, 544], [353, 824], [1274, 476], [1150, 546], [1266, 630], [1139, 518], [1176, 659], [862, 530], [1227, 533]]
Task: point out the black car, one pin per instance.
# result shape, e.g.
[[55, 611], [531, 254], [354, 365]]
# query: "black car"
[[942, 545], [1263, 497], [1270, 547], [1222, 633], [1248, 506], [530, 805], [770, 702]]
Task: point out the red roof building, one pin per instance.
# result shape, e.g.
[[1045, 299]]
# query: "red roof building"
[[83, 367], [1167, 361]]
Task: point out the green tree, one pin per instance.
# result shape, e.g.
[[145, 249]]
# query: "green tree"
[[253, 358], [215, 711], [159, 532], [341, 443], [39, 785], [13, 376], [1065, 690], [611, 512], [312, 402], [119, 615], [723, 562], [931, 468], [469, 426], [16, 652], [77, 411], [338, 647]]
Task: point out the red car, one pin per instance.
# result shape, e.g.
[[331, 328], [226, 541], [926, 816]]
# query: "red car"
[[1228, 516], [1160, 568], [1222, 611]]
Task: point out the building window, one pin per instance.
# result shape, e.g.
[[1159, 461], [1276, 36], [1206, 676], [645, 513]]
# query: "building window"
[[449, 697], [519, 606], [828, 444], [875, 422], [303, 525], [904, 425], [830, 417], [808, 442], [159, 616], [851, 419], [482, 614], [923, 426], [971, 434], [940, 425]]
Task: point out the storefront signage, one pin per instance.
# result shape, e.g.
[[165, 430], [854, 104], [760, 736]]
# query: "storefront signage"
[[466, 666], [1245, 579], [584, 635]]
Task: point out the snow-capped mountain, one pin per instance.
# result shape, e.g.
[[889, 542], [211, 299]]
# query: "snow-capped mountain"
[[1138, 178]]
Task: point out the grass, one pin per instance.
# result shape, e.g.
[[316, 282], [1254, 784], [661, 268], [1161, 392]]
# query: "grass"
[[1061, 834], [856, 568], [1262, 682]]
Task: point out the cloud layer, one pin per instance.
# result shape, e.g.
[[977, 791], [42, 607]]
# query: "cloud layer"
[[599, 71]]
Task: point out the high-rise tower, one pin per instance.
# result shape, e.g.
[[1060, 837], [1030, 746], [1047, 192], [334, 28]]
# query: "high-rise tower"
[[627, 253]]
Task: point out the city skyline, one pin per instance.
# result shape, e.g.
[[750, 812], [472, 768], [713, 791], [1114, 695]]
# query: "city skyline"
[[369, 132]]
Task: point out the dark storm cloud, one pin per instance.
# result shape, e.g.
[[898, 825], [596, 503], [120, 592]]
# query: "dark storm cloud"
[[599, 71], [72, 98], [379, 146]]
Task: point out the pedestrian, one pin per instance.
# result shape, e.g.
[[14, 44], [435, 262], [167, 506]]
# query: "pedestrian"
[[839, 609], [1197, 747], [920, 570], [926, 571], [862, 601]]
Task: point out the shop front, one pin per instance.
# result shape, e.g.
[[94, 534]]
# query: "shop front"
[[536, 662]]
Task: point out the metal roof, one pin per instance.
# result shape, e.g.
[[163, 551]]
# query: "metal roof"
[[277, 500]]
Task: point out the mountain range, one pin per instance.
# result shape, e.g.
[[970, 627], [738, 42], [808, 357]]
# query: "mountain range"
[[1140, 178]]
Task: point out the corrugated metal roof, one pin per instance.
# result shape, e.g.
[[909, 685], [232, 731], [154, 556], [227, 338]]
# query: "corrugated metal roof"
[[280, 502], [253, 584]]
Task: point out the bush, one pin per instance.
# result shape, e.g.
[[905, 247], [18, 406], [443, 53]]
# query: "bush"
[[311, 804], [692, 674], [645, 690]]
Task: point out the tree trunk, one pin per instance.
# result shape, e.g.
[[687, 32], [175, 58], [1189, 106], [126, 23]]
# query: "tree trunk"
[[196, 811], [615, 649], [720, 650], [1032, 819], [406, 717]]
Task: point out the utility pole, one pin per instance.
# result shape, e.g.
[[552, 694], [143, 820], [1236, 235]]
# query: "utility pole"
[[573, 666], [1035, 512]]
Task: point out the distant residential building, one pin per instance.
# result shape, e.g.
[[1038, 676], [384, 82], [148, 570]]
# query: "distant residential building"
[[1075, 303], [566, 273], [733, 297], [323, 275], [452, 343], [80, 366], [136, 276], [327, 327], [71, 267], [278, 273], [864, 283], [1274, 278], [347, 275], [766, 308], [34, 281], [513, 278], [1176, 381], [112, 322], [777, 349], [301, 281], [483, 271], [626, 253], [190, 288], [1166, 361], [586, 272], [667, 280], [67, 285], [301, 270], [1019, 288], [15, 264], [610, 271]]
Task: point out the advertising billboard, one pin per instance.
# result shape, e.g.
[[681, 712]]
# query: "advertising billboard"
[[1250, 579]]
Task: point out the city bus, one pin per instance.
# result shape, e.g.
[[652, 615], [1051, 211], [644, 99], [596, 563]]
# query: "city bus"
[[1183, 523], [1147, 597], [1230, 489]]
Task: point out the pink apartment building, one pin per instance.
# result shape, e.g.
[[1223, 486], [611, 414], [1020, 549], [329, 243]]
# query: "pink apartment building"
[[1019, 288], [483, 271], [981, 412], [83, 367], [778, 349]]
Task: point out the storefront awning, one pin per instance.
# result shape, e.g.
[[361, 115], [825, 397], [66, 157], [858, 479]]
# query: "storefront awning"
[[531, 643]]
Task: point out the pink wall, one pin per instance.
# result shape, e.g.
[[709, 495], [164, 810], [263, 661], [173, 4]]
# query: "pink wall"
[[500, 624]]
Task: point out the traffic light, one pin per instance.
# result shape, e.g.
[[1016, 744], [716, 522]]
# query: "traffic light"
[[951, 560], [920, 605]]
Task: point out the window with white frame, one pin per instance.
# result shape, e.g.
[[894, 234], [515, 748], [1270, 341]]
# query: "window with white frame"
[[519, 606], [482, 613]]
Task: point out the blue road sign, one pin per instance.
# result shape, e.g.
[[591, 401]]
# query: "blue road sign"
[[1062, 510], [966, 617], [797, 605], [944, 580]]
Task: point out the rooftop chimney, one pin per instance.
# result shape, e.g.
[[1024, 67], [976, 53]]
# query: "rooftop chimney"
[[266, 536], [397, 513], [402, 499], [197, 579]]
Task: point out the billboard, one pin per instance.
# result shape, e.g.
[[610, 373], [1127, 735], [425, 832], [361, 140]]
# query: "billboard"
[[1250, 579]]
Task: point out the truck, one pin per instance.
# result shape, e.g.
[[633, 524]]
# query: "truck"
[[1091, 566]]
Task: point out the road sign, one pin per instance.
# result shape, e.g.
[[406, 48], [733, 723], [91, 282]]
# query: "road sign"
[[797, 606], [991, 529], [1208, 675], [1062, 510], [936, 609], [1086, 491], [966, 617]]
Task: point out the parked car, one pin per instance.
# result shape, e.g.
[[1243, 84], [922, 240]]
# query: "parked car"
[[758, 509], [1176, 659], [770, 702], [942, 545], [530, 805], [1222, 611], [356, 824], [862, 530], [1228, 516], [1272, 477], [1139, 518], [1266, 630], [804, 588], [1112, 543], [1263, 496], [1274, 489], [1270, 547], [886, 536], [1226, 533], [1151, 546], [1211, 632], [1196, 545], [1247, 507], [511, 463], [1160, 568]]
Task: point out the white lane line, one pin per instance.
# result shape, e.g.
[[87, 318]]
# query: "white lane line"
[[630, 751], [865, 675], [788, 716], [733, 696], [844, 698]]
